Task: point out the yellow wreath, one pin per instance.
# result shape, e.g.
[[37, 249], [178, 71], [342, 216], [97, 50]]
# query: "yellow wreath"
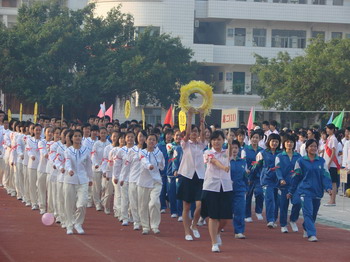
[[201, 88]]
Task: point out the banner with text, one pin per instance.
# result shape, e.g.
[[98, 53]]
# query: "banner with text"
[[229, 118]]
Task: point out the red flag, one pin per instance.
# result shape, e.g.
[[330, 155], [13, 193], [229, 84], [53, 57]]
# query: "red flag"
[[169, 117], [102, 111], [250, 120], [109, 112]]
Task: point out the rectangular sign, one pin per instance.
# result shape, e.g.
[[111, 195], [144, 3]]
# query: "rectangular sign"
[[229, 118], [343, 175]]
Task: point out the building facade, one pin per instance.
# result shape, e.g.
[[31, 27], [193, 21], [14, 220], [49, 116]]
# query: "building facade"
[[225, 35]]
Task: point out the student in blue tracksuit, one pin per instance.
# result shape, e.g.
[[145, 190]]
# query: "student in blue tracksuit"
[[171, 190], [240, 184], [265, 161], [285, 163], [240, 135], [249, 154], [310, 180], [177, 156], [168, 137]]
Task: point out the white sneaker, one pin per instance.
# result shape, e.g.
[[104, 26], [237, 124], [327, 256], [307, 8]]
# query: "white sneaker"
[[189, 238], [107, 211], [69, 231], [42, 212], [79, 229], [200, 222], [218, 240], [215, 248], [13, 193], [305, 234], [136, 227], [271, 225], [156, 231], [35, 207], [248, 220], [195, 232], [259, 216], [162, 211], [125, 223], [99, 208], [312, 239], [294, 226], [179, 219], [63, 226], [284, 229], [145, 232], [28, 204], [239, 236], [173, 216], [89, 204]]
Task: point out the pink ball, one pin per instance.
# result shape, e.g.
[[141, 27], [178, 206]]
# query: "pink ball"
[[48, 219]]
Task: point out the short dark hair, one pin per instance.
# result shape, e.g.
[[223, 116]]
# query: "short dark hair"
[[271, 137], [331, 126], [217, 134], [309, 142], [273, 123], [235, 142], [95, 128], [266, 123], [288, 138]]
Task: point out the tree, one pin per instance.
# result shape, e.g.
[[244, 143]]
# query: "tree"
[[56, 56], [319, 80]]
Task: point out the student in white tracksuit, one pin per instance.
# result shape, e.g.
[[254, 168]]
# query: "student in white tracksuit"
[[34, 156], [76, 183], [44, 149], [107, 168], [132, 174], [124, 175], [28, 135], [58, 164], [7, 147], [115, 173], [2, 163], [52, 175], [13, 159], [20, 148], [150, 185], [97, 160]]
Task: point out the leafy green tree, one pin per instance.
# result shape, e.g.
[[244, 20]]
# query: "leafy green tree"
[[56, 56], [319, 80]]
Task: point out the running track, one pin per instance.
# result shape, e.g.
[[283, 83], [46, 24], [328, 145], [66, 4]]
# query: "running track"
[[24, 238]]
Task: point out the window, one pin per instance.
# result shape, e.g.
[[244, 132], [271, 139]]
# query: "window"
[[154, 30], [315, 34], [318, 2], [153, 115], [230, 32], [337, 35], [347, 36], [228, 76], [254, 84], [239, 36], [288, 38], [221, 76], [260, 1], [8, 3], [280, 1], [259, 37], [238, 83], [338, 2]]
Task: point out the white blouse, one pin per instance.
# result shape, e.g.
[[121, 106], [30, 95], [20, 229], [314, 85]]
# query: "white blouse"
[[131, 165], [97, 154], [33, 150], [149, 177], [78, 161], [215, 178], [192, 159]]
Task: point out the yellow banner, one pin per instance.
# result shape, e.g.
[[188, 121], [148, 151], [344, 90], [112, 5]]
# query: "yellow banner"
[[9, 114], [127, 109], [182, 121], [20, 112], [143, 119], [35, 118]]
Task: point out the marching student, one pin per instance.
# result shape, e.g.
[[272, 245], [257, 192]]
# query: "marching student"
[[13, 159], [20, 148], [7, 179], [192, 173], [52, 175], [58, 164], [162, 145], [239, 179], [265, 163], [107, 168], [76, 183], [34, 156], [150, 185], [285, 163], [44, 149], [254, 187], [217, 188], [311, 178], [124, 175], [330, 155], [171, 190], [29, 133], [97, 159], [115, 173], [89, 143]]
